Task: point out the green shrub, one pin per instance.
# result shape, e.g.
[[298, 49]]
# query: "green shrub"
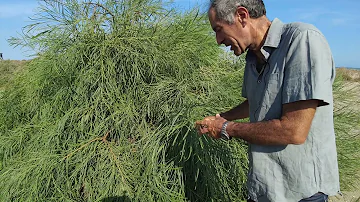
[[106, 111]]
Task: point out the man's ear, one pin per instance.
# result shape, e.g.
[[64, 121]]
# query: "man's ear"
[[242, 15]]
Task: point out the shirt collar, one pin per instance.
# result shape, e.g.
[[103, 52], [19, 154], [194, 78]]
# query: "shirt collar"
[[272, 40], [274, 34]]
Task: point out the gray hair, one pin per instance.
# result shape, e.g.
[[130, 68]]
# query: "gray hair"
[[225, 9]]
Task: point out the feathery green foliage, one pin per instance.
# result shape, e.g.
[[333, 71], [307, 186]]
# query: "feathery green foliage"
[[107, 109]]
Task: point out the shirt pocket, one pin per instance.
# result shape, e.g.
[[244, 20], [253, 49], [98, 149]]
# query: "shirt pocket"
[[272, 89], [273, 78]]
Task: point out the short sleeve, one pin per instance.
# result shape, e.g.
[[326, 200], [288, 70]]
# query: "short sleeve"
[[309, 70]]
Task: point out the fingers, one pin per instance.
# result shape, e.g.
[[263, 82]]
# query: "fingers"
[[206, 129], [210, 125], [202, 127], [213, 134], [203, 131], [209, 118], [202, 122]]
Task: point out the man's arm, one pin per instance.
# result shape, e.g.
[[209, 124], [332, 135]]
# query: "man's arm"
[[292, 128], [239, 112]]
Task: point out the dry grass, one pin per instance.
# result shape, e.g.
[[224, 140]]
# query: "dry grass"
[[349, 74], [8, 68]]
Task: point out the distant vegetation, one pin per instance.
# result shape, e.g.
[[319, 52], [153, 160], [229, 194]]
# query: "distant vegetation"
[[347, 126], [8, 69], [349, 74]]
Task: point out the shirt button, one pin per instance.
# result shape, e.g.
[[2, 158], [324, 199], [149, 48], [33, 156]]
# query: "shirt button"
[[259, 81]]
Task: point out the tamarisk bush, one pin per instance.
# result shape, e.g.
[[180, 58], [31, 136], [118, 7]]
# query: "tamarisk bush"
[[106, 110]]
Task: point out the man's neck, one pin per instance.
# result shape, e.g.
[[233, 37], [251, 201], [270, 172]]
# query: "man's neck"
[[261, 28]]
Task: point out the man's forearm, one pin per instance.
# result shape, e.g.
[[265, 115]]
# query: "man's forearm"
[[272, 132], [292, 128], [239, 112]]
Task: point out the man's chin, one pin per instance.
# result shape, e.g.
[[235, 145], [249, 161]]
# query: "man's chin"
[[237, 53], [240, 51]]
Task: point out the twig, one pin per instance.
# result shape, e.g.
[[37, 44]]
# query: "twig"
[[105, 9], [104, 139], [82, 146]]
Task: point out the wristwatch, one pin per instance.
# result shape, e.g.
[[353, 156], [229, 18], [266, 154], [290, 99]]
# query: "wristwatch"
[[224, 135]]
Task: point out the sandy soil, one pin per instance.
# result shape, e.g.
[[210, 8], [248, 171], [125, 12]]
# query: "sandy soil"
[[346, 197]]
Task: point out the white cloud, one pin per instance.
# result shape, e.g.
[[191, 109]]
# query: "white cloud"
[[328, 16], [16, 10], [314, 14], [340, 21]]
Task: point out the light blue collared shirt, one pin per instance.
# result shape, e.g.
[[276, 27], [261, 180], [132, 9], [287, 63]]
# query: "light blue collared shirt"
[[299, 67]]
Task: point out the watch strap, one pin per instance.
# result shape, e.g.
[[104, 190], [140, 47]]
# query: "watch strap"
[[224, 134]]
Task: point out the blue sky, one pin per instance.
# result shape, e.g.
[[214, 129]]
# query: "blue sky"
[[337, 19]]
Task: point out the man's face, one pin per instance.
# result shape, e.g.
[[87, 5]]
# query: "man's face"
[[234, 35]]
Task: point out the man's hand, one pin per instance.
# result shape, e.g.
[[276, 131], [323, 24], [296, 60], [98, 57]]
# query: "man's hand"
[[211, 126]]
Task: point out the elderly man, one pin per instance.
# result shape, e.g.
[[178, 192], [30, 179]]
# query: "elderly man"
[[288, 89]]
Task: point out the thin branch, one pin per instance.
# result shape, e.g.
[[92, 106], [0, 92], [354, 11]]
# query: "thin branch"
[[85, 145], [103, 7]]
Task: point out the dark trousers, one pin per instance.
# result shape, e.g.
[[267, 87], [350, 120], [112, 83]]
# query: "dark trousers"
[[318, 197]]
